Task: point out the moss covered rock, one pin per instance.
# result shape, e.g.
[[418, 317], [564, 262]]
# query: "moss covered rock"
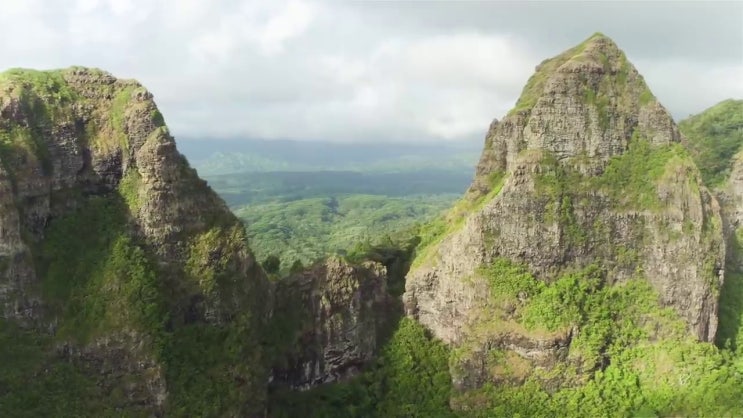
[[118, 256], [595, 177]]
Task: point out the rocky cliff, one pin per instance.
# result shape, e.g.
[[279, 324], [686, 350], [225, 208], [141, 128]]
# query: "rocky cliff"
[[334, 314], [123, 272], [116, 257], [585, 177], [714, 139]]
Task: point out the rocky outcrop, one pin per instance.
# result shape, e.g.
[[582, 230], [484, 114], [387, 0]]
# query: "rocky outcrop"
[[587, 169], [79, 135], [714, 138], [335, 313], [167, 294]]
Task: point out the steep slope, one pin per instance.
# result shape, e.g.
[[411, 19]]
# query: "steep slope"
[[332, 314], [119, 267], [585, 203], [714, 138]]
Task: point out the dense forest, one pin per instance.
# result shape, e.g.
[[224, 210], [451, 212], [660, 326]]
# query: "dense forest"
[[308, 200]]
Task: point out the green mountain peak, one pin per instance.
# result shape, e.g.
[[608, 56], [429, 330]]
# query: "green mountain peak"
[[596, 58]]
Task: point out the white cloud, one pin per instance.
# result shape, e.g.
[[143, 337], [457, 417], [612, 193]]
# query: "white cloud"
[[288, 23], [688, 87], [264, 26], [444, 87], [352, 71]]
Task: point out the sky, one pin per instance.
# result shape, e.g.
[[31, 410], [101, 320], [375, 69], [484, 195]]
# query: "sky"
[[366, 71]]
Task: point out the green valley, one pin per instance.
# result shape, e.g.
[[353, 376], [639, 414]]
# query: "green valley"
[[311, 229], [317, 207]]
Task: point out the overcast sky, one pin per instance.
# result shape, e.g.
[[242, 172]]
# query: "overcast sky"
[[362, 70]]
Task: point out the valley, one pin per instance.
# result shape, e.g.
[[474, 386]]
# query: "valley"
[[331, 197], [585, 260]]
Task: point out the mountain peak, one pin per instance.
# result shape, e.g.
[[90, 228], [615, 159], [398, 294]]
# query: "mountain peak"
[[585, 104], [601, 47], [587, 175], [599, 37], [596, 55]]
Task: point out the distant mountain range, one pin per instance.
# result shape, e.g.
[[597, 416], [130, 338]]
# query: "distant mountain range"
[[227, 156]]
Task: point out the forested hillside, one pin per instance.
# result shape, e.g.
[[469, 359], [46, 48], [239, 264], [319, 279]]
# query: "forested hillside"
[[316, 199]]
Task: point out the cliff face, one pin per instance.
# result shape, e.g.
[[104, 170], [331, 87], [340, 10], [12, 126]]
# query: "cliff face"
[[714, 138], [116, 259], [112, 248], [586, 172], [333, 314]]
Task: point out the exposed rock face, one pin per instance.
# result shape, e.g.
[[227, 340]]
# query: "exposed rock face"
[[714, 138], [731, 197], [586, 102], [337, 311], [586, 169], [71, 135], [173, 294]]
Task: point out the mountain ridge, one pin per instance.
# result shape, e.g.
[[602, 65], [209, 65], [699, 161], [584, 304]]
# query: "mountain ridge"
[[587, 172], [115, 254], [580, 274]]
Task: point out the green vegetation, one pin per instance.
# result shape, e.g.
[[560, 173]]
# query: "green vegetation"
[[310, 229], [33, 385], [48, 86], [213, 371], [409, 379], [730, 328], [600, 100], [627, 355], [129, 187], [18, 146], [714, 138], [645, 365], [433, 233], [629, 180], [646, 97], [95, 276], [676, 378], [117, 116], [45, 98], [98, 281], [302, 216], [535, 85], [209, 264]]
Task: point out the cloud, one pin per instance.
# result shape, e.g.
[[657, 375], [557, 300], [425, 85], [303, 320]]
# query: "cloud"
[[676, 83], [263, 26], [365, 71]]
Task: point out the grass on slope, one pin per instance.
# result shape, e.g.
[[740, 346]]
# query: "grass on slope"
[[98, 281], [434, 232], [715, 137], [95, 276], [33, 385]]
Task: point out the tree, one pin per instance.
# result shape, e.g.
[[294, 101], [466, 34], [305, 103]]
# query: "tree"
[[296, 267], [271, 264]]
